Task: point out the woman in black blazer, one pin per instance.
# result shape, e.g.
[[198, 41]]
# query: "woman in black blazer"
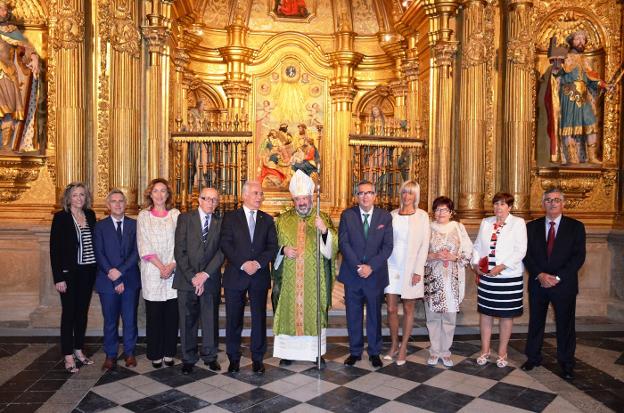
[[72, 255]]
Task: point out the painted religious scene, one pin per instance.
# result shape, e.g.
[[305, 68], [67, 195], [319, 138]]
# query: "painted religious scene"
[[290, 109]]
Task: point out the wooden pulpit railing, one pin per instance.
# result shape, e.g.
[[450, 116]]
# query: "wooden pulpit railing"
[[388, 161], [216, 159]]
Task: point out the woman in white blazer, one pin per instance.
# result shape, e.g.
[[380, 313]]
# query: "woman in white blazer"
[[497, 259], [406, 266]]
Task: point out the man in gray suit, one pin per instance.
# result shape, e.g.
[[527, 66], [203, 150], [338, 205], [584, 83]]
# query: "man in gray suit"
[[198, 280]]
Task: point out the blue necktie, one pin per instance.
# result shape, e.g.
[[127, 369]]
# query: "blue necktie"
[[119, 235], [252, 224]]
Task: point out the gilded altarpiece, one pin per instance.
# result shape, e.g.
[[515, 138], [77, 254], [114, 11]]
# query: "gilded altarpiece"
[[591, 189]]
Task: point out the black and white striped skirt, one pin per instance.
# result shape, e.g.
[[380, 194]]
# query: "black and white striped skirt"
[[500, 297]]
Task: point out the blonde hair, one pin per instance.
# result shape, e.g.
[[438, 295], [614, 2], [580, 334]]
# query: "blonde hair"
[[411, 187], [66, 199]]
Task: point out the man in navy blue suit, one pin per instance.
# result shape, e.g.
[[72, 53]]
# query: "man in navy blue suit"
[[118, 280], [365, 239], [555, 254], [249, 243]]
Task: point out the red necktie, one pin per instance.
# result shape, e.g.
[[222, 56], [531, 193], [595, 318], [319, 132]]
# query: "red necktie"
[[550, 243]]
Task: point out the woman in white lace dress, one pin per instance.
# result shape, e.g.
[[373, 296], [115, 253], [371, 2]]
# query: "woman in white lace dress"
[[156, 226], [450, 250]]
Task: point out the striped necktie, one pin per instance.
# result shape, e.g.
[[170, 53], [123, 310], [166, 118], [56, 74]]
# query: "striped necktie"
[[205, 228]]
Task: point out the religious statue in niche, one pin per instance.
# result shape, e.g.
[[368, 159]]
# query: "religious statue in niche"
[[569, 100], [287, 97], [291, 9], [20, 87], [197, 116]]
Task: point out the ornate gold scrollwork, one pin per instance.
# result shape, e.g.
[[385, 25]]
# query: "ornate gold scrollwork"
[[16, 175], [68, 32], [521, 50], [476, 50], [444, 52]]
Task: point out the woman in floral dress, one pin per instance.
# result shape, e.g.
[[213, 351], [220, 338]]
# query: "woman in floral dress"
[[450, 250]]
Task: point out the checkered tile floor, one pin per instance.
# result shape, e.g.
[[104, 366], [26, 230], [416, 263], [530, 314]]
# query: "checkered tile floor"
[[414, 387]]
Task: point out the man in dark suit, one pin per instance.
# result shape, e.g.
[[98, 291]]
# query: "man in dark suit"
[[118, 280], [249, 242], [198, 280], [365, 239], [555, 253]]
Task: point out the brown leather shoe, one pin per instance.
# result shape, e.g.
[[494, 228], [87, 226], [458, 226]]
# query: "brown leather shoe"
[[131, 361], [109, 364]]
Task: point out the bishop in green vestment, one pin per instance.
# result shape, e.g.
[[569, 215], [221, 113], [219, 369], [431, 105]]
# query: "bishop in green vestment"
[[294, 277]]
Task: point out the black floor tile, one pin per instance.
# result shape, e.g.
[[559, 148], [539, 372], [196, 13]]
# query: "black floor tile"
[[93, 403], [602, 343], [434, 399], [335, 351], [520, 397], [489, 371], [614, 400], [411, 371], [246, 400], [271, 374], [464, 349], [119, 373], [169, 396], [336, 373], [344, 399], [188, 404], [22, 408], [34, 397], [273, 405], [7, 396], [47, 385], [620, 359], [143, 405], [172, 376], [7, 350]]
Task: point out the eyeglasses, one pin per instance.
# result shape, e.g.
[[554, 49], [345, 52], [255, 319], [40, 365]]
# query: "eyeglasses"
[[442, 210], [553, 200], [208, 199], [370, 193]]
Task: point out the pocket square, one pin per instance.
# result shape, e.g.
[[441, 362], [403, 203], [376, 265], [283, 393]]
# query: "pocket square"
[[381, 226]]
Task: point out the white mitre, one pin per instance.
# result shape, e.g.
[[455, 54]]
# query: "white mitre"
[[301, 184]]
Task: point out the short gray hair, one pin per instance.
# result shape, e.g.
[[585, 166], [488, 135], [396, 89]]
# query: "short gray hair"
[[554, 190], [66, 198], [113, 192], [247, 184]]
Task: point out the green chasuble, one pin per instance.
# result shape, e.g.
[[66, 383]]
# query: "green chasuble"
[[294, 282]]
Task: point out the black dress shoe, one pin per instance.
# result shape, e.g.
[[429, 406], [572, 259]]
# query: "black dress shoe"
[[529, 365], [567, 374], [322, 361], [213, 365], [376, 361], [157, 364], [258, 367], [187, 368], [234, 367], [285, 362], [350, 361], [170, 362]]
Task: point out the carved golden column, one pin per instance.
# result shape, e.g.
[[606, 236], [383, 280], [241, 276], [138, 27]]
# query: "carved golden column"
[[444, 46], [67, 85], [342, 92], [182, 80], [396, 49], [411, 73], [237, 56], [518, 112], [472, 111], [156, 32], [118, 100]]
